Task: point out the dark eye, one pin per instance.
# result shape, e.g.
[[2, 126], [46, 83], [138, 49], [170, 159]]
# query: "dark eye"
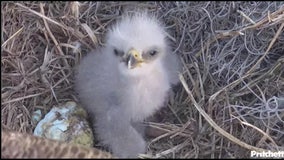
[[153, 52], [117, 52]]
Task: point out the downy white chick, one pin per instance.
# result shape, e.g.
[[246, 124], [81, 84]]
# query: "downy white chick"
[[126, 81]]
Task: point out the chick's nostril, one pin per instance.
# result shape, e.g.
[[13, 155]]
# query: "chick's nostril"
[[135, 55]]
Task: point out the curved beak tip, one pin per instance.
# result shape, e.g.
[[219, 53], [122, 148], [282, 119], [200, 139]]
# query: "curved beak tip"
[[134, 59]]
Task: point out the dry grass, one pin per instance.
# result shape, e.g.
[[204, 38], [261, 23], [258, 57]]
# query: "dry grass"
[[232, 95]]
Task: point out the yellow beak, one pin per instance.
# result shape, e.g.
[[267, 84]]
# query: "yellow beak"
[[134, 59]]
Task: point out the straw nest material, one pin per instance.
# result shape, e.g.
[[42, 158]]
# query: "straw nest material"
[[231, 97]]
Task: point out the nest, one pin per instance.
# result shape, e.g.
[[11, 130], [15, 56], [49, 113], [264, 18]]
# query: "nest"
[[231, 97]]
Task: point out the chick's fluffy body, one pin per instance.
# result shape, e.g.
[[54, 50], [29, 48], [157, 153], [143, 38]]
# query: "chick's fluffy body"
[[114, 95]]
